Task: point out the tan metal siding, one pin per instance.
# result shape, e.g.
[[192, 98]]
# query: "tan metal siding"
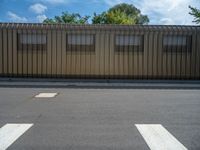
[[105, 61], [44, 56], [58, 53], [10, 53], [29, 53], [1, 52], [54, 52], [49, 53], [5, 51], [63, 53], [198, 54]]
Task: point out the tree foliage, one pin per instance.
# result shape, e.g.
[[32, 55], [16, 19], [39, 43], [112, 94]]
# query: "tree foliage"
[[114, 17], [121, 14], [66, 17], [196, 13]]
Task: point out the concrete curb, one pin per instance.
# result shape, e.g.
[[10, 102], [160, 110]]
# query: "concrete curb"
[[110, 84]]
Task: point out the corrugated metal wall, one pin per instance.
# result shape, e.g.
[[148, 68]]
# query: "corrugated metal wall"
[[55, 59]]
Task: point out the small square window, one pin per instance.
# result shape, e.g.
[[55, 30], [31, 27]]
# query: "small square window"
[[32, 41], [80, 42], [129, 43], [177, 43]]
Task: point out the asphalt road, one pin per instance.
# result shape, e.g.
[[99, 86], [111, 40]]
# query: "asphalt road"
[[94, 119]]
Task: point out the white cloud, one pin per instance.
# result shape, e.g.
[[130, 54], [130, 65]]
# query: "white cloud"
[[166, 21], [168, 11], [38, 8], [55, 1], [15, 18], [41, 18], [114, 2], [163, 11]]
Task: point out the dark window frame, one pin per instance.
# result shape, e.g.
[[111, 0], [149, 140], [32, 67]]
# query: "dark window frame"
[[129, 48], [31, 47], [178, 48], [80, 47]]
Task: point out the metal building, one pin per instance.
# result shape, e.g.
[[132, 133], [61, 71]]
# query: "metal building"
[[100, 51]]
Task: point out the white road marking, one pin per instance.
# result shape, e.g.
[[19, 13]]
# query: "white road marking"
[[158, 138], [9, 133], [46, 95]]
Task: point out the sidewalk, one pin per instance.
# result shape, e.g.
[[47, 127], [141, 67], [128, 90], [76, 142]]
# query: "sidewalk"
[[99, 83]]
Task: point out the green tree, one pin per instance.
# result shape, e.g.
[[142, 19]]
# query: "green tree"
[[99, 18], [66, 17], [121, 14], [196, 13]]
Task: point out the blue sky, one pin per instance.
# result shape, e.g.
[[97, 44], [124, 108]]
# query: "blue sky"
[[159, 11]]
